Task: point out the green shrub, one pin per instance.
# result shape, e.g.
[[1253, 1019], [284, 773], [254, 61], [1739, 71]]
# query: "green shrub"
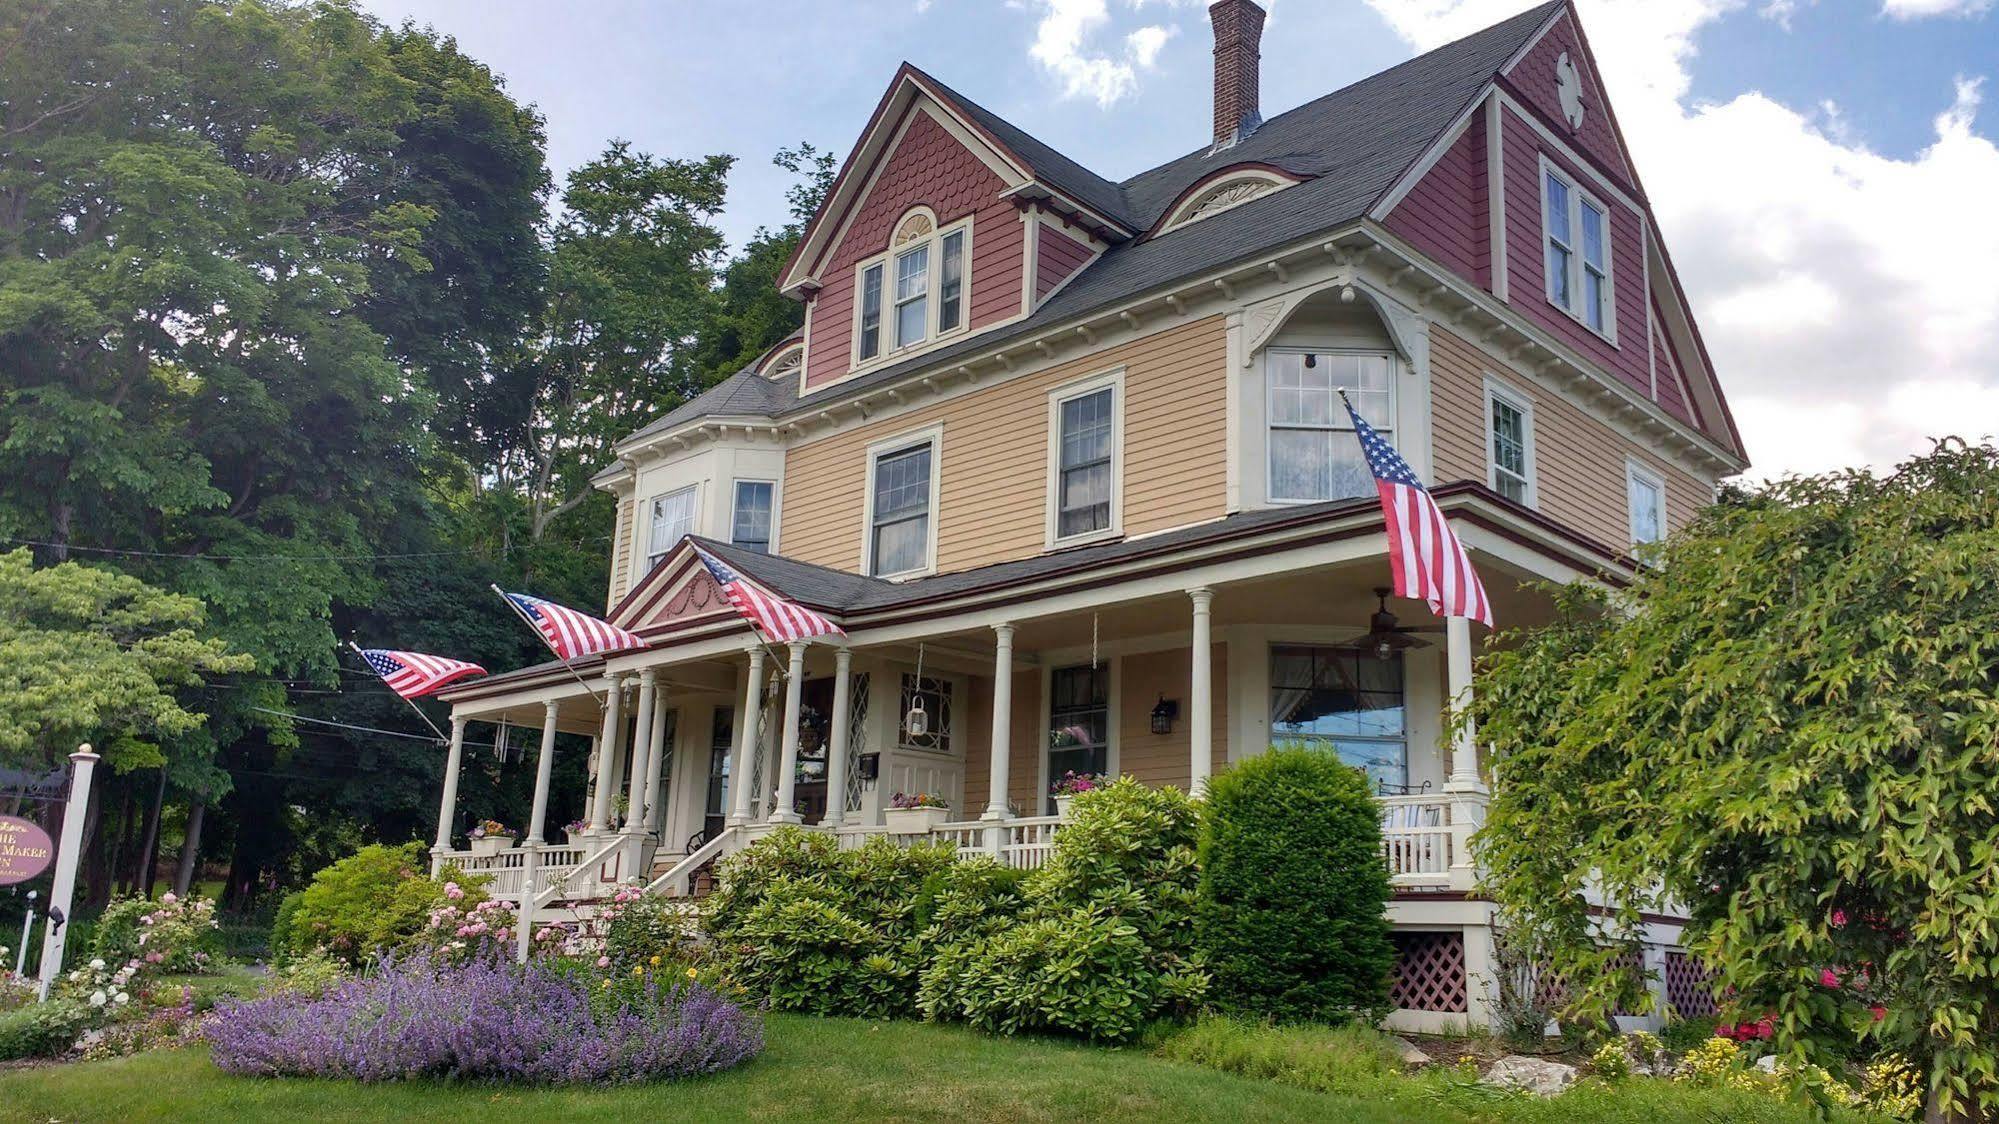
[[370, 902], [1106, 941], [638, 928], [172, 934], [1292, 917], [42, 1030]]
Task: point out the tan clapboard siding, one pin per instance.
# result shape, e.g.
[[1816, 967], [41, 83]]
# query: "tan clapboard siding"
[[621, 551], [1578, 459], [993, 486], [1024, 768], [1166, 759]]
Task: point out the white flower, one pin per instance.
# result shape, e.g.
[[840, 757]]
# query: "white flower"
[[97, 965], [97, 998], [124, 997]]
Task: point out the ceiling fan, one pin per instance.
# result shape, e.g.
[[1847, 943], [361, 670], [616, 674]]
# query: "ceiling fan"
[[1384, 636]]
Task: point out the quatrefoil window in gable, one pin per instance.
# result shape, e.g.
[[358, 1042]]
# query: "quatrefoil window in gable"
[[1226, 192]]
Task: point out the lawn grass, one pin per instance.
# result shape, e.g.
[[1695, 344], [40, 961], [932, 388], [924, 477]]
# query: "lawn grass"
[[849, 1070]]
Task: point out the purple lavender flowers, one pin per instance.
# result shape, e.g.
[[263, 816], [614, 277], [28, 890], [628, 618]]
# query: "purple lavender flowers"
[[487, 1020]]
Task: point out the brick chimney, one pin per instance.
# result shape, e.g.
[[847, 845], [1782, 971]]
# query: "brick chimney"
[[1238, 53]]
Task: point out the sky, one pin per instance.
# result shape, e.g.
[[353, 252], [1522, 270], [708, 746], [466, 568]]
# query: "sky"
[[1824, 172]]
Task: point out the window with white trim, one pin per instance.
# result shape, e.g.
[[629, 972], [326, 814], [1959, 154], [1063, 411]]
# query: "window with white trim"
[[672, 520], [1646, 495], [1509, 443], [918, 287], [1079, 723], [1314, 455], [750, 522], [1577, 229], [901, 489], [1084, 434]]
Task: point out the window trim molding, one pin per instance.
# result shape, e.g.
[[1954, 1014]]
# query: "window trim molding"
[[735, 498], [1497, 389], [1113, 380], [1634, 470], [933, 436], [646, 556], [1114, 663], [1270, 497], [886, 259], [1578, 195]]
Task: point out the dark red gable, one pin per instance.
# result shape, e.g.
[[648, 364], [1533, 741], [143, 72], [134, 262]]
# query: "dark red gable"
[[1533, 79], [1447, 215]]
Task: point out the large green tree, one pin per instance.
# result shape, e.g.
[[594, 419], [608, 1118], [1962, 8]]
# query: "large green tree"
[[1790, 729]]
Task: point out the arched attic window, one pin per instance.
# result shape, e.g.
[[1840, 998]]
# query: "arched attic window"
[[1223, 191], [786, 362], [916, 291]]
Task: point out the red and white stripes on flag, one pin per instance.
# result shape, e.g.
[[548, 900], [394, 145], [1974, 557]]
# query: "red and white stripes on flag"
[[571, 634], [780, 619], [1427, 559], [414, 674]]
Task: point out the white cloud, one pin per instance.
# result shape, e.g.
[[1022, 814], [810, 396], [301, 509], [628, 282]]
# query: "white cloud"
[[1848, 298], [1921, 9], [1062, 46]]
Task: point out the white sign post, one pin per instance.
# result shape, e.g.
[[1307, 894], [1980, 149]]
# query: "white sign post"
[[82, 763]]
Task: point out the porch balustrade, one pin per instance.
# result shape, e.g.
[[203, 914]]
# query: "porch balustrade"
[[506, 870]]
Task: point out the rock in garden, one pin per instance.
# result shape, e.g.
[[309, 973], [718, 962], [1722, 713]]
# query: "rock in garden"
[[1412, 1054], [1538, 1076]]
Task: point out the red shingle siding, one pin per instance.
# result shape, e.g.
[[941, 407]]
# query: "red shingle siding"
[[928, 167], [1445, 215], [1527, 260], [1055, 259], [1534, 77]]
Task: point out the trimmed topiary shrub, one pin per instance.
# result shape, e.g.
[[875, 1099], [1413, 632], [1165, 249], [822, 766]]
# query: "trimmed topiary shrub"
[[1292, 913]]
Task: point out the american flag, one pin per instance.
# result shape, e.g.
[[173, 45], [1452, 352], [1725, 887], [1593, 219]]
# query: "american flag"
[[1427, 559], [413, 674], [780, 619], [571, 634]]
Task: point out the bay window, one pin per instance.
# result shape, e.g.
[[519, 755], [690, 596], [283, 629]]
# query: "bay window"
[[1314, 455], [750, 523], [672, 520]]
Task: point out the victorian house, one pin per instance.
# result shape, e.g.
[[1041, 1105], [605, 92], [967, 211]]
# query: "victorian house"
[[1066, 459]]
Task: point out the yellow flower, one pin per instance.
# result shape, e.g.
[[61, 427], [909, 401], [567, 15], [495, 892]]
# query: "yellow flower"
[[607, 983], [655, 961], [636, 970], [691, 973]]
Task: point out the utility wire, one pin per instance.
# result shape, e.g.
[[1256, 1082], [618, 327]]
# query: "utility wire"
[[237, 557]]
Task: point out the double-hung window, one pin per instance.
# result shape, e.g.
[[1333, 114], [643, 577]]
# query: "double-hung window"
[[1509, 443], [1646, 494], [750, 524], [899, 515], [1079, 722], [916, 291], [1083, 459], [1313, 453], [1577, 228], [672, 520]]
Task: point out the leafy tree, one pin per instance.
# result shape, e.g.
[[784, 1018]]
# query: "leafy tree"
[[88, 653], [752, 315], [1790, 729]]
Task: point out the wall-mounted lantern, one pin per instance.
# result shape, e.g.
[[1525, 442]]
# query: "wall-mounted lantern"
[[1163, 715]]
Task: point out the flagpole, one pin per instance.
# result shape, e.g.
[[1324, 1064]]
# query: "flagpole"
[[529, 621], [413, 706]]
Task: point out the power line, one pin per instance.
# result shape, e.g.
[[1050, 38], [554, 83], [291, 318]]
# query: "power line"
[[237, 557], [348, 726]]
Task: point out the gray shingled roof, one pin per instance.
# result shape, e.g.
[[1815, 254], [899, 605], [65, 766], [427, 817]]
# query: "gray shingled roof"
[[1354, 143], [1055, 169]]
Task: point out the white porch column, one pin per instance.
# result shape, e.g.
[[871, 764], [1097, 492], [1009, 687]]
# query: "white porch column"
[[785, 808], [836, 754], [746, 747], [448, 806], [537, 822], [656, 760], [635, 796], [620, 749], [1201, 708], [999, 773], [607, 754], [1466, 790], [1464, 742]]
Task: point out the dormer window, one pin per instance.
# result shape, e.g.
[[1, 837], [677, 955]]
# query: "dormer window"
[[918, 286], [1224, 191], [786, 362]]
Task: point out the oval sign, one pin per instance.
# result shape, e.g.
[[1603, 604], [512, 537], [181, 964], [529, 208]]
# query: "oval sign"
[[25, 850]]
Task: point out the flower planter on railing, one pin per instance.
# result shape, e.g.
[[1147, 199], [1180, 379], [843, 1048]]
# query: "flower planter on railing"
[[915, 821], [489, 845]]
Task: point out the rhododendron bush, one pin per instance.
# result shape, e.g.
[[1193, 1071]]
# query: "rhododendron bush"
[[1789, 730], [487, 1019]]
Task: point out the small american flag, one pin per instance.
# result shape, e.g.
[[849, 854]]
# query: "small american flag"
[[781, 620], [571, 634], [1423, 552], [413, 674]]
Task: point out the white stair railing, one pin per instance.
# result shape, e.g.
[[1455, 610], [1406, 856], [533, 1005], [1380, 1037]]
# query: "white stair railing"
[[674, 883], [559, 887]]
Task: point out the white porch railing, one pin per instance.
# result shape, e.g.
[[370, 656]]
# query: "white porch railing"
[[1022, 843], [676, 881], [506, 870]]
